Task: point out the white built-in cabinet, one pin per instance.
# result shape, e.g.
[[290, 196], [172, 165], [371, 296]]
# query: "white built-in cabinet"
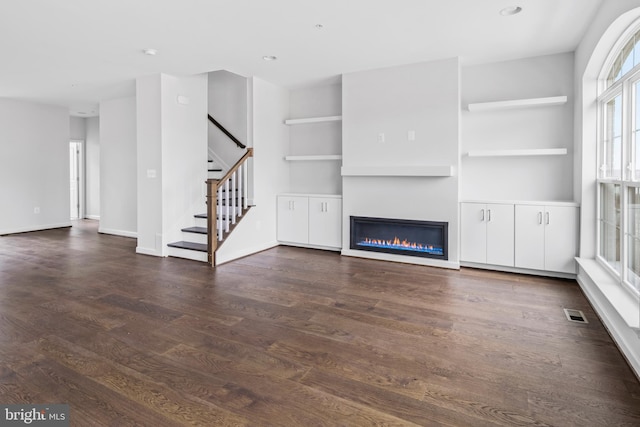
[[523, 235], [293, 219], [313, 220], [546, 237], [487, 230]]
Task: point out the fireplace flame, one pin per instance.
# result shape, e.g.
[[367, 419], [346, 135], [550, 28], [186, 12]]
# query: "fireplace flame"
[[396, 243]]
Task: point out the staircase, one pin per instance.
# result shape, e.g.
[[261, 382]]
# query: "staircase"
[[194, 246], [214, 170], [227, 204]]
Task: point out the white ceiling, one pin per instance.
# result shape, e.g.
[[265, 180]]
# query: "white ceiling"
[[78, 52]]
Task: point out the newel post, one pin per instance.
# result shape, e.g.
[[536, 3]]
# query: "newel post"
[[212, 242]]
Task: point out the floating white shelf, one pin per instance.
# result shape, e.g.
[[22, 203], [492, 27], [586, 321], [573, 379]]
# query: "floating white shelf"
[[513, 153], [435, 170], [312, 120], [314, 157], [518, 103]]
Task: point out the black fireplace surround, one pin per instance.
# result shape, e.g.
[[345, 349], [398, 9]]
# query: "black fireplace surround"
[[426, 239]]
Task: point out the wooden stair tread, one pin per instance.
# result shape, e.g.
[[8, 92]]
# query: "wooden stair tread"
[[200, 247], [197, 230]]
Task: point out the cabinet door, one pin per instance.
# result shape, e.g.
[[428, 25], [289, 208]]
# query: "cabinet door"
[[561, 236], [325, 221], [500, 234], [293, 219], [529, 237], [473, 233]]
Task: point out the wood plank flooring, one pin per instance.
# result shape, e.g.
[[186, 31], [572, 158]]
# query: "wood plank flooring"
[[296, 337]]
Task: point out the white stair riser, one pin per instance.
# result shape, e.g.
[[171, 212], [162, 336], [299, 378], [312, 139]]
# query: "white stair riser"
[[202, 222], [194, 237], [188, 254]]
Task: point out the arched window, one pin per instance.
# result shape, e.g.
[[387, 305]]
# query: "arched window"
[[619, 164]]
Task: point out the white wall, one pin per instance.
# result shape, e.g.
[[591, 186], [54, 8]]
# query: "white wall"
[[92, 168], [118, 183], [321, 177], [34, 166], [518, 178], [77, 128], [421, 97], [612, 19], [227, 103], [184, 154], [149, 164], [172, 157], [269, 108], [610, 23]]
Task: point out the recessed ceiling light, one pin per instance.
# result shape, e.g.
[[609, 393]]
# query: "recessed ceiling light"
[[150, 52], [269, 58], [511, 10], [319, 26]]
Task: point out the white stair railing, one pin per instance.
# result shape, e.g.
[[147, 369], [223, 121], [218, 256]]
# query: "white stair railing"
[[228, 196]]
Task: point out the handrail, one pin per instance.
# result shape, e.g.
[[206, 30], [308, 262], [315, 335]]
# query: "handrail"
[[213, 187], [226, 132], [234, 168]]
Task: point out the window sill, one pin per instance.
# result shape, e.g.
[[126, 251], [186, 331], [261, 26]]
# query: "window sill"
[[626, 305]]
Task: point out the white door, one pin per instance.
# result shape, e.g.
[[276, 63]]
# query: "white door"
[[529, 238], [293, 219], [561, 237], [473, 232], [325, 221], [500, 234], [74, 179]]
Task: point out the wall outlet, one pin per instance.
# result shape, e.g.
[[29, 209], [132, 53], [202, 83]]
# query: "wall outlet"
[[411, 135], [36, 210], [381, 138]]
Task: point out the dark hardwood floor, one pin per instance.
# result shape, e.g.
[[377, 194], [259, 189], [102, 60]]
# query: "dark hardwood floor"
[[296, 337]]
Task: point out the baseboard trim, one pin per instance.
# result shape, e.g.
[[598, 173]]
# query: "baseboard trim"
[[96, 217], [147, 251], [122, 233], [304, 245], [508, 269], [34, 228], [222, 258], [452, 265], [624, 336]]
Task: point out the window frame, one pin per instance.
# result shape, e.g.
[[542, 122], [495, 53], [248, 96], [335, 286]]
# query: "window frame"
[[628, 87]]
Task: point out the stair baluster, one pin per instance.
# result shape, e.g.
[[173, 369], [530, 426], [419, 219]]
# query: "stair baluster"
[[226, 205], [245, 195], [227, 191], [219, 213], [239, 191]]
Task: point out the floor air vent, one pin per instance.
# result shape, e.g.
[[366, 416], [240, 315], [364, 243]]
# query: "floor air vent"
[[575, 315]]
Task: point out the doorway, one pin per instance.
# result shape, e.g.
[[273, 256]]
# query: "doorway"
[[75, 179]]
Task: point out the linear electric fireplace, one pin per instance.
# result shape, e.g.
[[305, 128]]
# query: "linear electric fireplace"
[[400, 236]]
